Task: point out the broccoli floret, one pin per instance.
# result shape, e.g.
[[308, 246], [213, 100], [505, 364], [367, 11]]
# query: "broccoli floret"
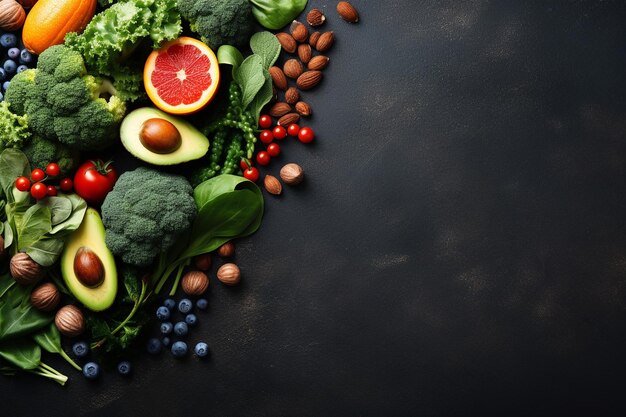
[[40, 152], [145, 213], [64, 103], [219, 22], [13, 128]]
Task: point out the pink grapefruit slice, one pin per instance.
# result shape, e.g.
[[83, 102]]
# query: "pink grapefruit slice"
[[182, 76]]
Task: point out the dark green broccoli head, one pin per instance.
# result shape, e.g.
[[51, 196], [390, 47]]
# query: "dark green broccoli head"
[[19, 90], [40, 152], [146, 213], [219, 22]]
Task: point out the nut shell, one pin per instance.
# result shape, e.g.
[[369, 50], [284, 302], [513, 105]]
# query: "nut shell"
[[226, 250], [229, 274], [12, 15], [202, 262], [24, 270], [45, 297], [70, 321], [292, 174], [195, 283]]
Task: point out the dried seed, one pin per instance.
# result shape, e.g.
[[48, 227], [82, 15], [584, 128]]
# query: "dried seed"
[[347, 12], [309, 80], [303, 109], [315, 17], [288, 119], [318, 63], [325, 41], [299, 32], [315, 36], [279, 109], [293, 68], [305, 53], [287, 42], [278, 77], [292, 95]]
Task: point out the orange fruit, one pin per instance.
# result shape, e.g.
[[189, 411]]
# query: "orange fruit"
[[182, 76]]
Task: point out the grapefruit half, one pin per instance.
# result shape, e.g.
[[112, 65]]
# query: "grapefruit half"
[[182, 76]]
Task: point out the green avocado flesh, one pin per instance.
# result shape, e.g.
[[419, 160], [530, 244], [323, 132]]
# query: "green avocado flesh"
[[90, 234], [194, 144]]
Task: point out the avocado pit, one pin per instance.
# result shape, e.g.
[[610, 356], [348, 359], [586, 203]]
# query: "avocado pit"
[[160, 136], [88, 267]]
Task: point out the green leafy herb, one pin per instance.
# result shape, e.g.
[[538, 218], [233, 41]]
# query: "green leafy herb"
[[50, 340], [274, 14]]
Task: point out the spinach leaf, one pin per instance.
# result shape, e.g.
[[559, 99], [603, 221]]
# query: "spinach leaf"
[[79, 207], [274, 14], [23, 353], [46, 251], [13, 163], [263, 96], [60, 208], [50, 340], [250, 78], [35, 223], [266, 46], [18, 317], [8, 234]]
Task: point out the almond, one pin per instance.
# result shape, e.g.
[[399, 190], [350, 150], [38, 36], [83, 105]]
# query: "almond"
[[347, 12], [303, 109], [292, 95], [278, 77], [279, 109], [293, 68], [315, 36], [287, 42], [309, 80], [288, 119], [272, 185], [315, 17], [325, 41], [304, 53], [318, 63], [299, 32]]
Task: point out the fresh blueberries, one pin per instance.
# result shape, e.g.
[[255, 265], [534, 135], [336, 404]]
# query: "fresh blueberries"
[[5, 85], [9, 66], [91, 370], [21, 68], [179, 349], [202, 304], [181, 328], [201, 350], [80, 349], [163, 313], [185, 305], [25, 57], [124, 368], [154, 346], [166, 327], [166, 341], [191, 319], [3, 74], [13, 53], [170, 303], [8, 40]]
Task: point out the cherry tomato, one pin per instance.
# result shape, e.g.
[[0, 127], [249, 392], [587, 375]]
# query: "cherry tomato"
[[94, 180], [37, 175], [245, 163], [53, 169], [293, 130], [265, 121], [266, 136], [279, 132], [66, 185], [51, 190], [306, 135], [39, 190], [252, 174], [263, 158], [22, 183], [273, 149]]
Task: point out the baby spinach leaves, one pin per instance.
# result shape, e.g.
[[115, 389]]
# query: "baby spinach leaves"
[[274, 14]]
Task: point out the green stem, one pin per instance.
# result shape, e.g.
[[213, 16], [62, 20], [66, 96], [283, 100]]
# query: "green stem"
[[178, 275], [69, 360], [166, 275], [134, 310], [49, 372]]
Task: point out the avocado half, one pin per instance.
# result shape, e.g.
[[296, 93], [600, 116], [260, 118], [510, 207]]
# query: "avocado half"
[[193, 144], [90, 235]]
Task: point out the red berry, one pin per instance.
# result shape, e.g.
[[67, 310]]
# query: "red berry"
[[273, 149], [22, 183], [265, 121], [251, 174], [306, 135], [279, 132], [38, 190], [293, 130], [266, 136], [37, 175], [263, 158], [245, 163], [53, 169], [51, 190], [66, 185]]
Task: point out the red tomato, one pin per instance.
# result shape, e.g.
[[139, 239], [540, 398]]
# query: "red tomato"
[[263, 158], [37, 175], [22, 183], [293, 130], [245, 163], [51, 190], [265, 121], [273, 149], [66, 185], [53, 169], [94, 180], [279, 132], [306, 135], [252, 174], [38, 190], [266, 136]]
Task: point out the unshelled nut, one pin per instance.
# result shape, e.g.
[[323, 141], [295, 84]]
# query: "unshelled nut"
[[12, 15], [202, 262], [315, 36], [303, 109], [278, 78], [279, 109], [292, 174], [347, 12], [288, 119], [309, 80], [315, 17], [229, 274], [325, 41], [88, 267], [299, 32], [227, 250], [70, 321], [292, 95], [287, 42], [293, 68], [24, 270], [272, 185], [195, 283], [45, 297], [318, 63], [305, 53]]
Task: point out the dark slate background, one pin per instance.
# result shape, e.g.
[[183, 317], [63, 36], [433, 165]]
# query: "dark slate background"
[[458, 248]]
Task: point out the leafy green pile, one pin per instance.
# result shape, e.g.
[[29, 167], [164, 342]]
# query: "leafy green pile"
[[13, 128]]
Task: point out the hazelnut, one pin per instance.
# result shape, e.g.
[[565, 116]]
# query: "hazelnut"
[[70, 321], [195, 283], [24, 270], [88, 267], [202, 262], [229, 274], [45, 297], [226, 250], [292, 174]]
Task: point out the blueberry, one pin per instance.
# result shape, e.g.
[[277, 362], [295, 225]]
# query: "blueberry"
[[80, 349], [9, 66], [201, 350], [5, 85], [154, 346], [179, 349], [91, 370], [163, 313], [202, 304], [13, 53], [1, 97], [3, 74], [181, 328], [8, 40], [191, 319], [124, 368], [165, 341], [25, 57], [166, 327], [185, 305], [169, 303], [21, 68]]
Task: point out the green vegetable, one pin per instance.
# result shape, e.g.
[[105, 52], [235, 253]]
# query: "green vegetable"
[[19, 317], [50, 340], [13, 128], [40, 152], [219, 22], [145, 213], [62, 101], [274, 14]]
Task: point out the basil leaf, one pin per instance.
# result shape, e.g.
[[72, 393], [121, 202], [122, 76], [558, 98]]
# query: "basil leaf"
[[34, 225], [25, 354], [274, 14], [266, 46], [250, 78]]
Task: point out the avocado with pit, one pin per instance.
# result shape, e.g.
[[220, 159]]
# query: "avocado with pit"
[[160, 138], [88, 266]]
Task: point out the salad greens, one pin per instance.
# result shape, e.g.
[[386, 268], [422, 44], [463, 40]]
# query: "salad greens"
[[274, 14]]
